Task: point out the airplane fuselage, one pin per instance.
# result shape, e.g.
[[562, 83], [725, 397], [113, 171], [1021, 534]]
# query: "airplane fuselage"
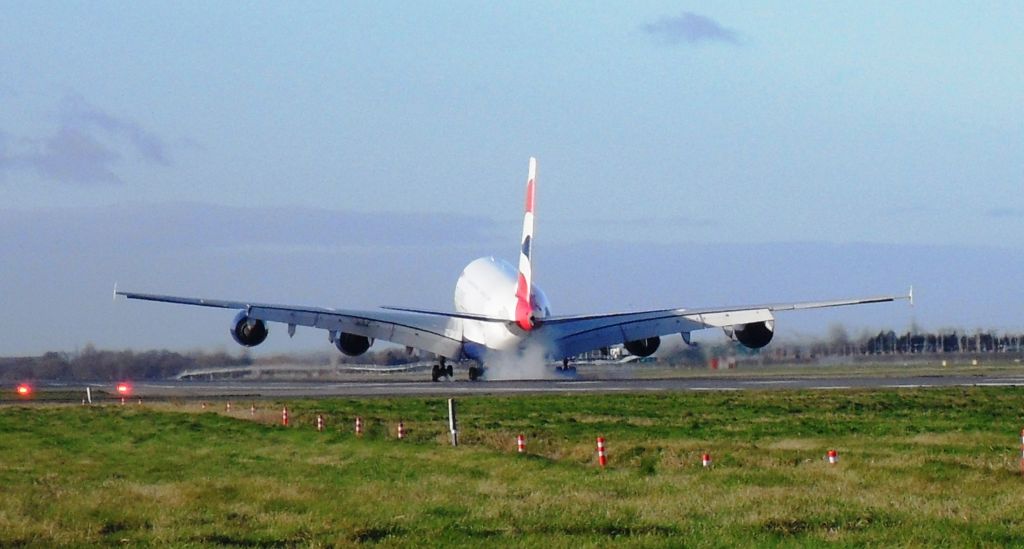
[[487, 287]]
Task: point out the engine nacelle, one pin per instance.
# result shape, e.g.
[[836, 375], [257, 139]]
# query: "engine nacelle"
[[643, 347], [248, 331], [352, 344], [754, 335]]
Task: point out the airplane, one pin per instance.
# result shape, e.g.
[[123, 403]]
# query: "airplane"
[[501, 314]]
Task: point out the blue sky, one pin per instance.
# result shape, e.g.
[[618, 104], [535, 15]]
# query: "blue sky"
[[656, 124]]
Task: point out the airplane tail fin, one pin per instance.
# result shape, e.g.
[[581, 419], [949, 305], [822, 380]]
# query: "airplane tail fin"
[[524, 312]]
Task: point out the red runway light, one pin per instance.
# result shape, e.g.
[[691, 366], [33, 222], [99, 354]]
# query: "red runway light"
[[24, 390], [123, 389]]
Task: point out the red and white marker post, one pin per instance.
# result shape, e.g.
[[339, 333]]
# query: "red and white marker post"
[[359, 426], [833, 457], [284, 416], [401, 430], [602, 455], [319, 423], [252, 409], [227, 407], [521, 444], [705, 460]]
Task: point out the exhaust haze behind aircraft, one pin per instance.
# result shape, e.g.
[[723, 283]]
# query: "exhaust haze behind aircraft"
[[500, 314]]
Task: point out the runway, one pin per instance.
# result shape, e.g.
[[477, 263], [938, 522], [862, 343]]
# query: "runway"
[[384, 388]]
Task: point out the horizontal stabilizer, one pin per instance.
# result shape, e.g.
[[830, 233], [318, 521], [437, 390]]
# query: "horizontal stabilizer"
[[466, 316]]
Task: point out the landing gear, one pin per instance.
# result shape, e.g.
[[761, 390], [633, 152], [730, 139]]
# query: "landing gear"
[[475, 373], [565, 368], [440, 370]]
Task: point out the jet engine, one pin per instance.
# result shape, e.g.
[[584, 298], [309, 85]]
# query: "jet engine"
[[643, 347], [352, 344], [754, 335], [247, 331]]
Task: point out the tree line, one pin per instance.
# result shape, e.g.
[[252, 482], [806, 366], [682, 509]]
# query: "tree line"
[[838, 343], [91, 364], [95, 365]]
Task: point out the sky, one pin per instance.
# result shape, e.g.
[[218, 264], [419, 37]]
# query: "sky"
[[359, 154]]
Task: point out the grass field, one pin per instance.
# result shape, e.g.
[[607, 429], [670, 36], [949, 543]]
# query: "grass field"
[[917, 467]]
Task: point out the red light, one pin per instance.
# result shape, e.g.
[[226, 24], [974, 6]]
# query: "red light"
[[24, 390], [123, 388]]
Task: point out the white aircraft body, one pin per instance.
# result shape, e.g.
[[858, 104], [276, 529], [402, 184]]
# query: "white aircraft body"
[[499, 312]]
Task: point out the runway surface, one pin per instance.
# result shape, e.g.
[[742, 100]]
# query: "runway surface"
[[258, 389]]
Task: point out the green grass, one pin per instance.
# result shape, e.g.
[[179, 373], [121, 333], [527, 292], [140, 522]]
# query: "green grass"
[[917, 467]]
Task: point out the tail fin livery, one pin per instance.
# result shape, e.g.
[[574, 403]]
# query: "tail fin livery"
[[524, 316]]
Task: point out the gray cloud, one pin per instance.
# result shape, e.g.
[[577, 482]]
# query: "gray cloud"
[[72, 155], [690, 28], [85, 149], [78, 113]]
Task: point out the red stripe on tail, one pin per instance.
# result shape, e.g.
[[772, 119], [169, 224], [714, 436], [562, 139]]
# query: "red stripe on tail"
[[523, 309]]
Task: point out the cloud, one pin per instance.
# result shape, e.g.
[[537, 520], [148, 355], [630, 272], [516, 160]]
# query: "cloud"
[[690, 28], [73, 155], [85, 149]]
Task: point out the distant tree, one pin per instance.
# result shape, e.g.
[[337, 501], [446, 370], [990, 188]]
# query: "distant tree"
[[51, 366], [838, 339]]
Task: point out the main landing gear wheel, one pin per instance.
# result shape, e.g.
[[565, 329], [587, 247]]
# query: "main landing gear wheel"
[[475, 373], [440, 370]]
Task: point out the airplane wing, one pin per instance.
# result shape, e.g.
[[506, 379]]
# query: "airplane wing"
[[572, 335], [565, 336], [438, 334]]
